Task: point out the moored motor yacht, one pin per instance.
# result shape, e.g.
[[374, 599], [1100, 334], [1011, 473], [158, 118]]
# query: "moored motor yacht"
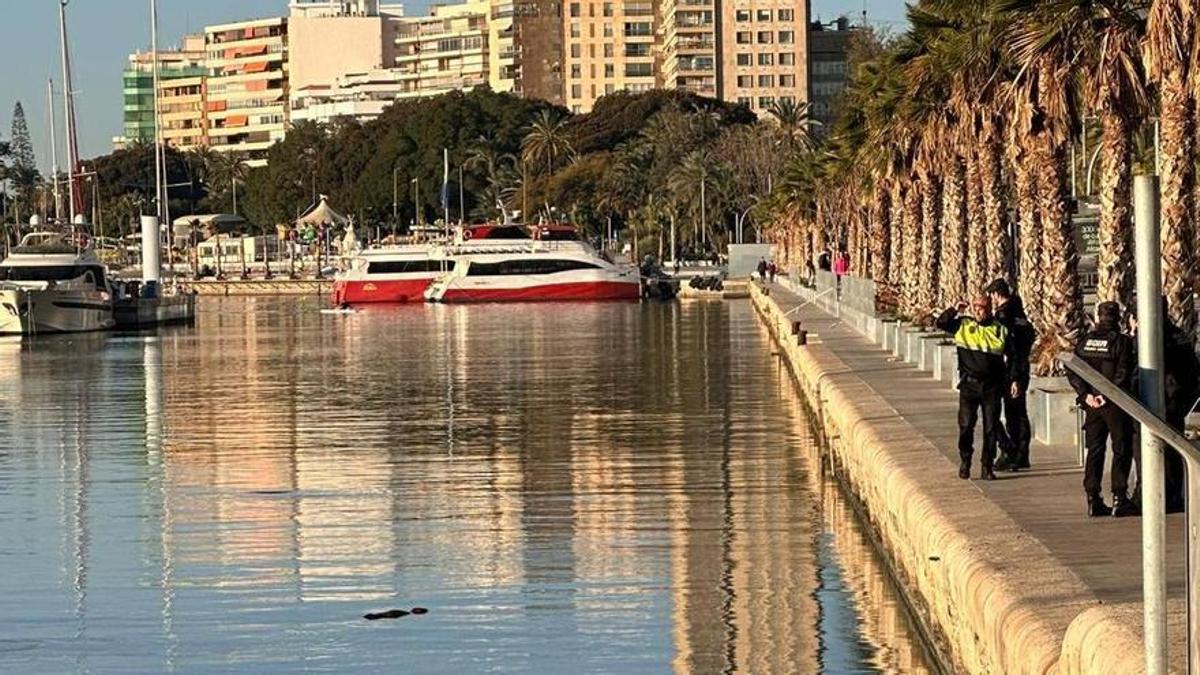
[[535, 271], [50, 285]]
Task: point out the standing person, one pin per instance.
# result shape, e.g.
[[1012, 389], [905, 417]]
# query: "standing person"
[[841, 266], [1010, 311], [987, 368], [1111, 352], [1181, 380], [762, 269], [823, 261], [772, 269]]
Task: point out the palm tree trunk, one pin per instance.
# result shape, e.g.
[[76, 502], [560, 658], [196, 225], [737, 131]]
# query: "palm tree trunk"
[[896, 259], [930, 247], [1062, 296], [910, 268], [880, 235], [976, 258], [954, 235], [995, 214], [1030, 238], [1178, 201], [1116, 222]]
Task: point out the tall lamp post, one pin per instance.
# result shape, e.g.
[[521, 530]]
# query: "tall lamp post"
[[395, 201]]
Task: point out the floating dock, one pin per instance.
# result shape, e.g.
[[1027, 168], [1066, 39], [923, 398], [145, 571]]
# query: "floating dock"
[[139, 313]]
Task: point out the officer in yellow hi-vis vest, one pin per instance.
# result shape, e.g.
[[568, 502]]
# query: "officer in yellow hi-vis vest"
[[987, 368]]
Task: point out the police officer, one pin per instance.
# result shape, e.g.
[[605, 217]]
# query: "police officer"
[[1180, 382], [986, 366], [1111, 352], [1010, 311]]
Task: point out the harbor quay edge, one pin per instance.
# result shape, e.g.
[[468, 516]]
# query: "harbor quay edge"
[[992, 598]]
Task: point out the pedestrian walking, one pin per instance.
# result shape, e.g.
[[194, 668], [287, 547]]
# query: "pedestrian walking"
[[1010, 311], [824, 261], [1111, 352], [762, 269], [987, 368], [841, 266], [772, 269]]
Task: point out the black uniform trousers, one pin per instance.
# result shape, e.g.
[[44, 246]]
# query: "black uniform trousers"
[[976, 395], [1020, 432], [1099, 424]]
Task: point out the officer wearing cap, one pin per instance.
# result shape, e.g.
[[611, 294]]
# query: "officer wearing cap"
[[1111, 352]]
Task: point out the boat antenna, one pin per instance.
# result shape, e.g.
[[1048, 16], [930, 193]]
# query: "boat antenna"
[[54, 152], [74, 193]]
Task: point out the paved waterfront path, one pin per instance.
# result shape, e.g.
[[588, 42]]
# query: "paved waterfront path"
[[1047, 502]]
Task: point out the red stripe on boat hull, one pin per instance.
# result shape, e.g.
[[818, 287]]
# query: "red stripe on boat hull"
[[395, 290], [586, 290]]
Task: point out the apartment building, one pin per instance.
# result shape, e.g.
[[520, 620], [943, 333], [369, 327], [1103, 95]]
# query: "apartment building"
[[690, 46], [248, 86], [182, 75], [608, 46], [763, 53], [328, 39], [829, 68]]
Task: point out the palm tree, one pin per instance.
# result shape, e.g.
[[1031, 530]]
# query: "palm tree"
[[1170, 41], [1103, 37], [547, 141], [795, 121]]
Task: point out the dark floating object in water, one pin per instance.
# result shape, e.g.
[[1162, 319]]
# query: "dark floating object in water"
[[390, 614], [419, 610]]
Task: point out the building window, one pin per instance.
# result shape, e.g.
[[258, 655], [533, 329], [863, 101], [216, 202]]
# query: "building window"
[[766, 59], [608, 89], [744, 100], [574, 29], [575, 9], [786, 37], [765, 101], [742, 15], [787, 99], [610, 70], [638, 29], [787, 80], [745, 81], [637, 49], [608, 31], [576, 51], [607, 9], [576, 91], [764, 15], [764, 37], [608, 51], [743, 59], [744, 37], [787, 58], [637, 70], [766, 81], [786, 15], [576, 71]]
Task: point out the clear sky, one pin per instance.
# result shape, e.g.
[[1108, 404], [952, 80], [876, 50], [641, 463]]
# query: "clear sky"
[[104, 32]]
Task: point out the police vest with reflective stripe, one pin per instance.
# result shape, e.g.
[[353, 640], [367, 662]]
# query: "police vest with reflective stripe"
[[989, 338]]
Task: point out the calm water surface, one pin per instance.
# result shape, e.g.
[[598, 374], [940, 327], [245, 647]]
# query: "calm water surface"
[[566, 488]]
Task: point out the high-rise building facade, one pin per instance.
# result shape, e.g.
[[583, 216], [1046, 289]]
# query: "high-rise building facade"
[[180, 72], [609, 45], [829, 68], [248, 86]]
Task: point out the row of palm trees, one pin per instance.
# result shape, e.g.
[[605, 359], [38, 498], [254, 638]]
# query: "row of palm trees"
[[961, 131]]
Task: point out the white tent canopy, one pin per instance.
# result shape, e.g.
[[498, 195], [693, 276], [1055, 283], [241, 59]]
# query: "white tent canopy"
[[221, 222], [322, 214]]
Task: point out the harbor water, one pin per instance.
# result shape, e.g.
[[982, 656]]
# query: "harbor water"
[[609, 487]]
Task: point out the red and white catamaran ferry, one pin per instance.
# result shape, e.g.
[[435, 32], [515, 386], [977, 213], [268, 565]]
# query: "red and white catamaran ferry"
[[488, 263]]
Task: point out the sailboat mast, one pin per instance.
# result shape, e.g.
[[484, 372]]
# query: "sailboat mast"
[[159, 158], [54, 151], [74, 193]]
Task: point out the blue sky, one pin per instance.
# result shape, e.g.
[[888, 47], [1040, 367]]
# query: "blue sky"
[[104, 32]]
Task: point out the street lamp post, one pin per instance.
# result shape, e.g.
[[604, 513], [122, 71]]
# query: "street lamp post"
[[417, 200]]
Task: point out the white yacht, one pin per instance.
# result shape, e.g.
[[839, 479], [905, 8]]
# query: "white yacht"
[[50, 285]]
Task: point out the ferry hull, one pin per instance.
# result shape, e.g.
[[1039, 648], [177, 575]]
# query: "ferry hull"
[[391, 291], [24, 312], [569, 291]]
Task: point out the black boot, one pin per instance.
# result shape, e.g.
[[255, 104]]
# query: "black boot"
[[1097, 508], [1005, 462], [964, 469], [1123, 507], [986, 473], [1023, 459]]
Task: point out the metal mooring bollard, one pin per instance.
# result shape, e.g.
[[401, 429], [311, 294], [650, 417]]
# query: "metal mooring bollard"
[[795, 328], [802, 337]]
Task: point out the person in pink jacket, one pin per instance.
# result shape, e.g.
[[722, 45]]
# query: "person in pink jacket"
[[841, 266]]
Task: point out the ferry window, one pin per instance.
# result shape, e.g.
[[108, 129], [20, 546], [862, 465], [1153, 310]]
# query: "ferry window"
[[41, 273], [408, 266], [527, 267]]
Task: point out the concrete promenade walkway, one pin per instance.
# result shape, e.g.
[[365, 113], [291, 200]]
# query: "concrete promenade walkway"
[[1046, 504]]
